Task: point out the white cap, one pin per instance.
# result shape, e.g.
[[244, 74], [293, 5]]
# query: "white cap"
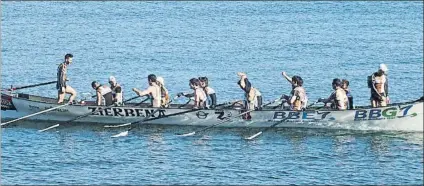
[[112, 79], [161, 80], [383, 67]]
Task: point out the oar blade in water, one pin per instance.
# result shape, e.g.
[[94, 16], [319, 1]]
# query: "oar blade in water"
[[187, 134], [48, 128], [254, 136], [122, 134]]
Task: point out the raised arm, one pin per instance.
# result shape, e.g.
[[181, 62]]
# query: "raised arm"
[[287, 77]]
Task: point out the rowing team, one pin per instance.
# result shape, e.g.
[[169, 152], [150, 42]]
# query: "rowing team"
[[204, 96]]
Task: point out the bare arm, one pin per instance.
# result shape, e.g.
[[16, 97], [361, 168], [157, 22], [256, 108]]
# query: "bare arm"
[[287, 77], [99, 98], [142, 93]]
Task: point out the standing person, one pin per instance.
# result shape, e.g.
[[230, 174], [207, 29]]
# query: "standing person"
[[61, 86], [117, 91], [338, 98], [164, 91], [103, 93], [199, 94], [298, 98], [153, 91], [210, 92], [378, 83], [252, 95], [345, 87]]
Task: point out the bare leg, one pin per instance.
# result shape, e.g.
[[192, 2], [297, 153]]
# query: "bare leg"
[[373, 103], [383, 102], [61, 96], [71, 91]]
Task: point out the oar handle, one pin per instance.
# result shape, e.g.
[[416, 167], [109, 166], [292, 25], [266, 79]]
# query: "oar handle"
[[30, 86]]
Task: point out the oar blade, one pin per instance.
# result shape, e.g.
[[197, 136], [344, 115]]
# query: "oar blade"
[[122, 134], [254, 136], [188, 134], [48, 128], [116, 126]]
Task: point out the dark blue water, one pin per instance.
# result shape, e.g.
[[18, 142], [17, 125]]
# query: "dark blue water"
[[180, 40]]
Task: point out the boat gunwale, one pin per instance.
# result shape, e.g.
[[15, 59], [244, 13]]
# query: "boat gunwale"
[[306, 110]]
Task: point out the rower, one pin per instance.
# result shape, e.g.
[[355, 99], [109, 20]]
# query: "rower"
[[378, 83], [199, 94], [117, 91], [298, 98], [153, 91], [338, 98], [252, 95], [103, 93], [164, 92], [211, 96], [345, 87], [61, 86]]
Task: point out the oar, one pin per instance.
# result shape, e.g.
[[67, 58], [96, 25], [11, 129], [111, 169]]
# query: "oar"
[[270, 127], [30, 86], [83, 116], [37, 113], [125, 133], [225, 120]]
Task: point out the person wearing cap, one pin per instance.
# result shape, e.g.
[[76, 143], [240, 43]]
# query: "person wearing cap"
[[338, 98], [61, 86], [154, 91], [252, 95], [103, 93], [165, 94], [117, 91], [378, 83], [298, 98], [210, 92]]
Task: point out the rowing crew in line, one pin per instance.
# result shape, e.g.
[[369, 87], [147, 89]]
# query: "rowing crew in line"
[[340, 99]]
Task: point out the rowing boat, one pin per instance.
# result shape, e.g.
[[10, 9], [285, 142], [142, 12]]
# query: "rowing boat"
[[399, 116]]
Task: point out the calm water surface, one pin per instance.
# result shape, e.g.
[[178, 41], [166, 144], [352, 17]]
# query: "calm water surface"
[[180, 40]]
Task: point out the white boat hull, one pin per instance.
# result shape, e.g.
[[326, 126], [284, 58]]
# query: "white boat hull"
[[404, 117]]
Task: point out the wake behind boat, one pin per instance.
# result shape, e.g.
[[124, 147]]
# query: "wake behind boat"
[[407, 116]]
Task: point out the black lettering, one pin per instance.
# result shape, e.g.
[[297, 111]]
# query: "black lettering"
[[117, 112], [324, 114], [161, 113], [129, 112], [100, 110], [220, 114], [150, 113], [140, 113], [108, 111]]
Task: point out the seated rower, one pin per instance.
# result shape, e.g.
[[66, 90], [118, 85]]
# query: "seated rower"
[[117, 91], [153, 91], [211, 96], [199, 94], [103, 93], [165, 94], [345, 86], [252, 95], [298, 98], [338, 98], [378, 83]]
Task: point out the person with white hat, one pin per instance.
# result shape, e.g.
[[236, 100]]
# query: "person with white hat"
[[165, 94], [378, 84], [117, 91]]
